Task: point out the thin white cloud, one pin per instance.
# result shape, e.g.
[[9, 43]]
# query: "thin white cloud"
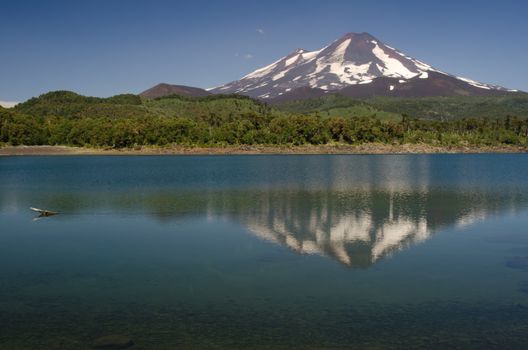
[[8, 104], [260, 31], [246, 56]]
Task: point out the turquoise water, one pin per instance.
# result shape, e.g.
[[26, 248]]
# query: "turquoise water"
[[265, 252]]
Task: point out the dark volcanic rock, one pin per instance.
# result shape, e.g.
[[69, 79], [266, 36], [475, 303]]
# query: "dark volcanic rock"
[[436, 84], [301, 93], [113, 342]]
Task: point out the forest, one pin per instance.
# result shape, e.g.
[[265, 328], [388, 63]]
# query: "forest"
[[123, 121]]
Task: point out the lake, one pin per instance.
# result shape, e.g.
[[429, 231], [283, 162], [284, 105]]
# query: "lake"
[[265, 252]]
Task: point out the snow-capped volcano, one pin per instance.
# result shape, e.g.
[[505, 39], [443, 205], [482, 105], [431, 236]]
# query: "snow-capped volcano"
[[355, 59]]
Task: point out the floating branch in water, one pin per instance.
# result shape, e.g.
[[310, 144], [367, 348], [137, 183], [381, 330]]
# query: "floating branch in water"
[[43, 212]]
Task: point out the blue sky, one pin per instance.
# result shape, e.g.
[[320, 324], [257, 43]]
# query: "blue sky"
[[102, 48]]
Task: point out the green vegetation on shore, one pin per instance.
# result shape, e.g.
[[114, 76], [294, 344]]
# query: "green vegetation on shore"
[[65, 118], [434, 108]]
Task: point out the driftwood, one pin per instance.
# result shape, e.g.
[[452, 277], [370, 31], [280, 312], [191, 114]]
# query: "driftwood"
[[43, 212]]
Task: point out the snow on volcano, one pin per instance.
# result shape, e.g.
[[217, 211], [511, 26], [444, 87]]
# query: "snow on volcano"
[[352, 60]]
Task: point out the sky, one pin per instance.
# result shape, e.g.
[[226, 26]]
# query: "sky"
[[107, 47]]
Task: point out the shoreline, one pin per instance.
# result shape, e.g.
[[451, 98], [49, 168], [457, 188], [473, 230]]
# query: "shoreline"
[[255, 150]]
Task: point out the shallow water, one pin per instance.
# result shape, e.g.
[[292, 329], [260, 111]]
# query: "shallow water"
[[265, 252]]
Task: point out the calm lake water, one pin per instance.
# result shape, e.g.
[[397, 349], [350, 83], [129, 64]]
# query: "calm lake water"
[[265, 252]]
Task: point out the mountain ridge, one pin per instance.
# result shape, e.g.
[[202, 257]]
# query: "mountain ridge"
[[164, 89]]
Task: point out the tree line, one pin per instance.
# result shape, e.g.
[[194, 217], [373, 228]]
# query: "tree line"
[[253, 129]]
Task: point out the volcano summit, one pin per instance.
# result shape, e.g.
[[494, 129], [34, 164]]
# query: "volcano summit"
[[359, 65]]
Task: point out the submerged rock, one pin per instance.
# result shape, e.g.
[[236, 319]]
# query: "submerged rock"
[[523, 287], [518, 262], [113, 342]]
